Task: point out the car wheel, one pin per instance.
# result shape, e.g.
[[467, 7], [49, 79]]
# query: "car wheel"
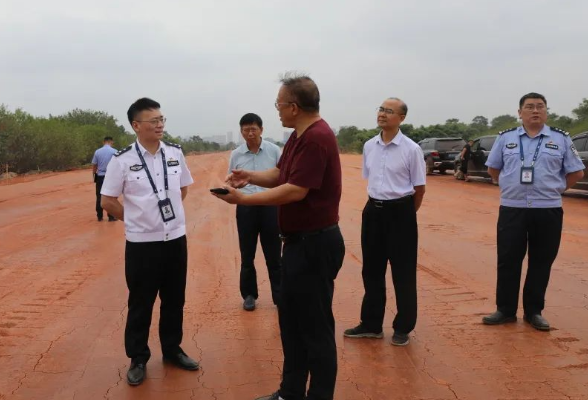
[[442, 171]]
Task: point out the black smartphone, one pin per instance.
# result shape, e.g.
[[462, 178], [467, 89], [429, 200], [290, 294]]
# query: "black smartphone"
[[219, 191]]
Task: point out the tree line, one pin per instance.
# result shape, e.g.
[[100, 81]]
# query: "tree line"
[[68, 141], [351, 139]]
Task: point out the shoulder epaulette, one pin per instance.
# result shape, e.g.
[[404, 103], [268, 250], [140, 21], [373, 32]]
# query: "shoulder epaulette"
[[560, 131], [123, 151], [507, 130], [177, 146]]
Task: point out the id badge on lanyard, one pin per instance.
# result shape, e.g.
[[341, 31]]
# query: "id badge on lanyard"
[[165, 206], [527, 173]]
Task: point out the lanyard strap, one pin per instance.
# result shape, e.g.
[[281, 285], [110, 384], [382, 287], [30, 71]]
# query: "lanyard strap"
[[149, 174], [536, 151]]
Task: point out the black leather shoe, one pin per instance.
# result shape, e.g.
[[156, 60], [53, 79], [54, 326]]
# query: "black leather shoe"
[[99, 219], [183, 361], [249, 303], [537, 322], [136, 374], [273, 396], [111, 219], [498, 318]]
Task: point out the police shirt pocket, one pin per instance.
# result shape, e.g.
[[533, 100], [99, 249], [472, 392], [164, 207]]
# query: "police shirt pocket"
[[173, 175], [138, 183], [551, 157]]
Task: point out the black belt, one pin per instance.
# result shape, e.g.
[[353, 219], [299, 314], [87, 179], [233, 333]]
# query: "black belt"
[[384, 203], [296, 237]]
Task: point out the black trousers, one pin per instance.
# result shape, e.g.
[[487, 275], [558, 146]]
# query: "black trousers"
[[539, 230], [152, 268], [307, 326], [262, 221], [389, 233], [99, 181]]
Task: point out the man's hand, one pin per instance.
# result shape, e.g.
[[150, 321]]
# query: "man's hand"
[[233, 197], [238, 179]]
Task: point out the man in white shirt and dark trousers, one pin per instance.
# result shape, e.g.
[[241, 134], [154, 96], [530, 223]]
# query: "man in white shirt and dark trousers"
[[395, 168], [256, 154], [153, 178]]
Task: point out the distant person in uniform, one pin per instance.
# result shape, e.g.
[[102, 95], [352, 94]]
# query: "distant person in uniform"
[[256, 154], [306, 187], [395, 169], [464, 156], [533, 164], [153, 177], [100, 161]]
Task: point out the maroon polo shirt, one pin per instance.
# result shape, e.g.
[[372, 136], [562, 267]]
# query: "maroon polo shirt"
[[311, 161]]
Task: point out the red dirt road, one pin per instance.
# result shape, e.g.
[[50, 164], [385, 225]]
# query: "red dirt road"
[[63, 303]]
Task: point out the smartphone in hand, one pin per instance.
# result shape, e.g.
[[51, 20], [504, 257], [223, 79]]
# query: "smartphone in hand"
[[219, 191]]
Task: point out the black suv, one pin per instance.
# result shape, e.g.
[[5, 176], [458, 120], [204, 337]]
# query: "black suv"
[[480, 150], [440, 153], [581, 144]]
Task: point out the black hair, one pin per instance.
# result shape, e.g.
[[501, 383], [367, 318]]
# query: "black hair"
[[108, 138], [304, 92], [531, 95], [141, 105], [250, 118]]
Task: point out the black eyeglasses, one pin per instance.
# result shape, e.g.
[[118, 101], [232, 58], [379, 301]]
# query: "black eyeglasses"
[[155, 121]]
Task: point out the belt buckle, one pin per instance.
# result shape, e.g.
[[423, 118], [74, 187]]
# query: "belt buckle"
[[283, 238], [379, 203]]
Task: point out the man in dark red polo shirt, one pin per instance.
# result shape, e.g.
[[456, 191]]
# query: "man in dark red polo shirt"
[[306, 185]]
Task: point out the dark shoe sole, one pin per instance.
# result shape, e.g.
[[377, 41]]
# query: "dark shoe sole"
[[135, 383], [184, 367], [538, 327], [400, 343], [500, 322], [368, 335]]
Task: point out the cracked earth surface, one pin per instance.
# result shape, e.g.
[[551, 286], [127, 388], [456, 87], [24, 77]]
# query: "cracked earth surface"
[[63, 303]]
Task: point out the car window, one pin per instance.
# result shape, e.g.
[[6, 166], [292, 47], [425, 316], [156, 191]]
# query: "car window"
[[448, 145], [476, 145], [581, 144], [425, 145], [486, 143]]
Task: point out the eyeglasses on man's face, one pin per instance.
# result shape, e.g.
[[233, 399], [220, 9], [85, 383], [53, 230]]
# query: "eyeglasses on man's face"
[[252, 129], [531, 107], [277, 105], [387, 111], [154, 121]]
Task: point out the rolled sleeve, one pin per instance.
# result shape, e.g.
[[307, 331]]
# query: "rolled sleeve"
[[418, 168], [572, 161], [114, 179], [186, 176], [495, 157]]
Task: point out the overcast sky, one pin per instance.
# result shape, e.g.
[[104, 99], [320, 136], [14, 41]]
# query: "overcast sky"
[[209, 62]]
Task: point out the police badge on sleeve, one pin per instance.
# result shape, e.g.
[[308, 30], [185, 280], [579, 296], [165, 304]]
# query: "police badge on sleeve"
[[575, 151]]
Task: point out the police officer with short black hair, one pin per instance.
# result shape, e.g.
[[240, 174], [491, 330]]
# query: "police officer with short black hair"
[[534, 164], [153, 177]]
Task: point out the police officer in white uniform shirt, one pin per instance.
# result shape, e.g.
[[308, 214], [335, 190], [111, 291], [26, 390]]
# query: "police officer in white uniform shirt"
[[153, 178], [394, 166]]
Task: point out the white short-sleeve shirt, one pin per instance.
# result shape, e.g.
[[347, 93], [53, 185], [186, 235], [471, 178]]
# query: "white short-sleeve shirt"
[[393, 169], [126, 176]]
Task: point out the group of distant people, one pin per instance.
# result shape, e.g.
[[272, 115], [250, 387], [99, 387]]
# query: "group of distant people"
[[290, 200]]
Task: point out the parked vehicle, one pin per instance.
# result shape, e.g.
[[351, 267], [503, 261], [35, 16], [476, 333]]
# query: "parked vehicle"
[[480, 150], [440, 153], [581, 144]]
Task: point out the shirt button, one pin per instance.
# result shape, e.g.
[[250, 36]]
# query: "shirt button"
[[160, 190]]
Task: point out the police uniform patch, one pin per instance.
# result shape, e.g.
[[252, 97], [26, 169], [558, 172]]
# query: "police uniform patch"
[[575, 151], [118, 153], [551, 145], [511, 145], [177, 146], [136, 167], [560, 131], [507, 130], [173, 163]]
